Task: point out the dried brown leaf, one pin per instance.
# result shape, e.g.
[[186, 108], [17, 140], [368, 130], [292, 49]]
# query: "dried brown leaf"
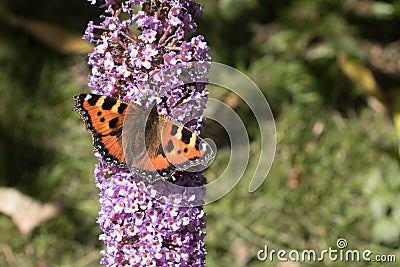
[[26, 212]]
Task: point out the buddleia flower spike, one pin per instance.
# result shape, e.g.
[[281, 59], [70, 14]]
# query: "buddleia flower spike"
[[137, 40]]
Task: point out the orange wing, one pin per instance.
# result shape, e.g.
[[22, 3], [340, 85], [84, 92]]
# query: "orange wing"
[[103, 117], [154, 168], [177, 148], [182, 148]]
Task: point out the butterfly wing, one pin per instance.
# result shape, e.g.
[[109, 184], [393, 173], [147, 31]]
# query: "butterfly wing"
[[103, 117], [154, 168], [183, 149]]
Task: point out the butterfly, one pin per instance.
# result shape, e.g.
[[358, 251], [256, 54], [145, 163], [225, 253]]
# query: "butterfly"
[[129, 136]]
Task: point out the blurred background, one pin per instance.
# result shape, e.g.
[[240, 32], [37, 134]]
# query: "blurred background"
[[330, 71]]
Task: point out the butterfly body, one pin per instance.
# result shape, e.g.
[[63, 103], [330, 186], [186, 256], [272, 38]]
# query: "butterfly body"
[[151, 145]]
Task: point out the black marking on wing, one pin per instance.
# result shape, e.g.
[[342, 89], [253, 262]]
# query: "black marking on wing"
[[174, 129], [122, 107], [186, 135], [197, 144], [92, 100], [109, 103], [170, 146], [117, 132], [113, 123]]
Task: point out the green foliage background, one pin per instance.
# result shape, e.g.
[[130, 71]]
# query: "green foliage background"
[[336, 169]]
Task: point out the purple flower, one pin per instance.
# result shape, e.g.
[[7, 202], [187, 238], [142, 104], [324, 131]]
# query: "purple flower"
[[140, 225], [148, 36]]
